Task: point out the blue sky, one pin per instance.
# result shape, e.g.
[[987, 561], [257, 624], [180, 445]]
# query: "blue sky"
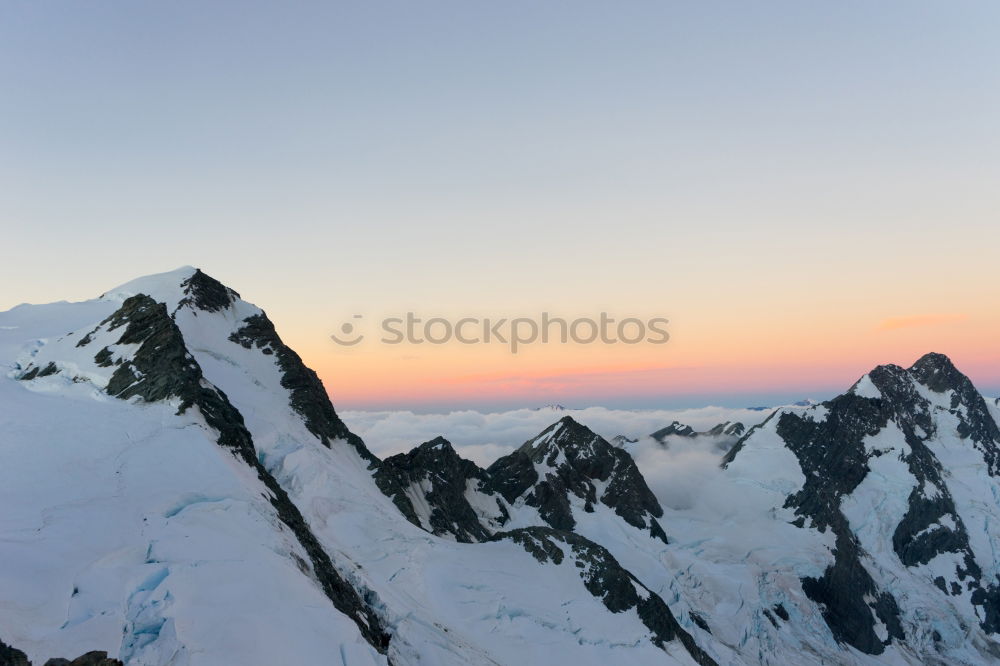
[[784, 162]]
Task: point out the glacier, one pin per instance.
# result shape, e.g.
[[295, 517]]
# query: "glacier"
[[178, 489]]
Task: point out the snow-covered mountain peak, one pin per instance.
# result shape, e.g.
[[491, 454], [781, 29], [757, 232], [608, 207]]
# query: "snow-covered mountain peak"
[[441, 492], [727, 428], [938, 373], [137, 351], [148, 359], [172, 454], [567, 470], [207, 321], [567, 436], [620, 441], [206, 293], [726, 433], [933, 393], [163, 287], [934, 371], [895, 470], [176, 462], [186, 287], [675, 429]]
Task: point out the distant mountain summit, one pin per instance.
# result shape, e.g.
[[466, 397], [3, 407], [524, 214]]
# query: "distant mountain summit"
[[729, 429], [622, 440], [675, 429], [567, 469], [894, 471], [170, 463], [178, 489], [552, 479], [440, 491]]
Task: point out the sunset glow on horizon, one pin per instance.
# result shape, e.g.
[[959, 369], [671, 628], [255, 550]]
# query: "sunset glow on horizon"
[[803, 194]]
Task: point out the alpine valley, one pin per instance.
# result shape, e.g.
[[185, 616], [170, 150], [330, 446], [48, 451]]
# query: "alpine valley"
[[177, 488]]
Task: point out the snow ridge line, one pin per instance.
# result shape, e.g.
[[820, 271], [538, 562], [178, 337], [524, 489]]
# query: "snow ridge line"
[[167, 370]]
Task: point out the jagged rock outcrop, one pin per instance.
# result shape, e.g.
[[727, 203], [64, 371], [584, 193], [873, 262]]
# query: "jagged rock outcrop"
[[440, 491], [727, 429], [895, 439], [206, 293], [162, 368], [10, 656], [862, 529], [445, 494], [569, 464], [833, 459], [95, 658], [675, 429], [151, 362], [295, 513], [307, 395], [733, 429], [605, 578], [622, 440]]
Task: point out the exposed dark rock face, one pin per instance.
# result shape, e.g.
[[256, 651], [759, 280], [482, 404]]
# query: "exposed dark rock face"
[[781, 612], [605, 578], [678, 429], [675, 429], [49, 369], [834, 459], [437, 473], [206, 293], [738, 446], [936, 372], [699, 620], [718, 429], [34, 371], [10, 656], [576, 458], [308, 397], [622, 440], [729, 429], [161, 369], [579, 462], [932, 525], [95, 658]]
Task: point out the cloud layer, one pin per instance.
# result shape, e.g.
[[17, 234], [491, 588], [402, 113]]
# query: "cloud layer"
[[484, 437]]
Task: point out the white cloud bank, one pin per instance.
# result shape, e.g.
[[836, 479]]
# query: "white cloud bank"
[[484, 437]]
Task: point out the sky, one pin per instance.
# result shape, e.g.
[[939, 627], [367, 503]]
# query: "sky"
[[805, 190]]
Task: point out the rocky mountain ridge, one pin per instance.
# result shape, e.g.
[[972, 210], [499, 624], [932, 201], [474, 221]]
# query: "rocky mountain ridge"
[[215, 463]]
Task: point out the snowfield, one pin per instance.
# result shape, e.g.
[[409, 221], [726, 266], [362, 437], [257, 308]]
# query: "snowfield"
[[177, 489], [128, 529]]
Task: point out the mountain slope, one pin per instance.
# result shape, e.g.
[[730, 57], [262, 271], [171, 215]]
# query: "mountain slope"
[[128, 527], [568, 470], [179, 489], [215, 495], [440, 491], [899, 478]]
